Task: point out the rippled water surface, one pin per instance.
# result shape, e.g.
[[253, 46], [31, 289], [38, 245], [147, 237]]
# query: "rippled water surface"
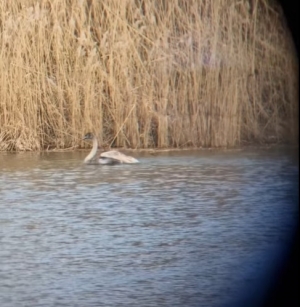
[[184, 229]]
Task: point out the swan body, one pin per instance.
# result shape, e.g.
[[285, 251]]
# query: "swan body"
[[109, 157]]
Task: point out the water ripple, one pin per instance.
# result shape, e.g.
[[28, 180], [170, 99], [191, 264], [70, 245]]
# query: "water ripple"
[[192, 230]]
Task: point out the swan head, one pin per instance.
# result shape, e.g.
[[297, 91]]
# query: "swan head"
[[88, 136]]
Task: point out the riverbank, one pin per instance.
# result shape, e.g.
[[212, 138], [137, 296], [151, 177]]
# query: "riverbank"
[[244, 147]]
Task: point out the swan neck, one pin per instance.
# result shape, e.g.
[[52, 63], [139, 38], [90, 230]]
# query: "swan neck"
[[93, 152]]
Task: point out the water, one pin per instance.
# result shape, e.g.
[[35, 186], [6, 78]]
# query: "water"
[[181, 229]]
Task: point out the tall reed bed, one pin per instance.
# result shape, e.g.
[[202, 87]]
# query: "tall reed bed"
[[144, 74]]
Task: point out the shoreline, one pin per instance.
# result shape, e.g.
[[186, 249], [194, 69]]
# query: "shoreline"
[[166, 150]]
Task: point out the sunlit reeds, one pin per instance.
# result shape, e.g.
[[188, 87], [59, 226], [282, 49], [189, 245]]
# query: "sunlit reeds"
[[144, 74]]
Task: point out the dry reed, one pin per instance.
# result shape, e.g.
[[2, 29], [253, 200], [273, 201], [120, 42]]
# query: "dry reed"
[[145, 74]]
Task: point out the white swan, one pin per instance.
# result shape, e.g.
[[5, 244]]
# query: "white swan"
[[109, 157]]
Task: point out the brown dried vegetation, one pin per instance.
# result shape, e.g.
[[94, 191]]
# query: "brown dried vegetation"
[[145, 74]]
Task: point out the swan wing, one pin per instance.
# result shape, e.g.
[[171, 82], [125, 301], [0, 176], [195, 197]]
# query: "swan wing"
[[116, 155]]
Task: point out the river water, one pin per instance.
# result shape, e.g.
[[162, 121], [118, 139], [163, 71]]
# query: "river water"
[[199, 228]]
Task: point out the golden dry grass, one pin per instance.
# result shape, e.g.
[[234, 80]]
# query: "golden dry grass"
[[145, 74]]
